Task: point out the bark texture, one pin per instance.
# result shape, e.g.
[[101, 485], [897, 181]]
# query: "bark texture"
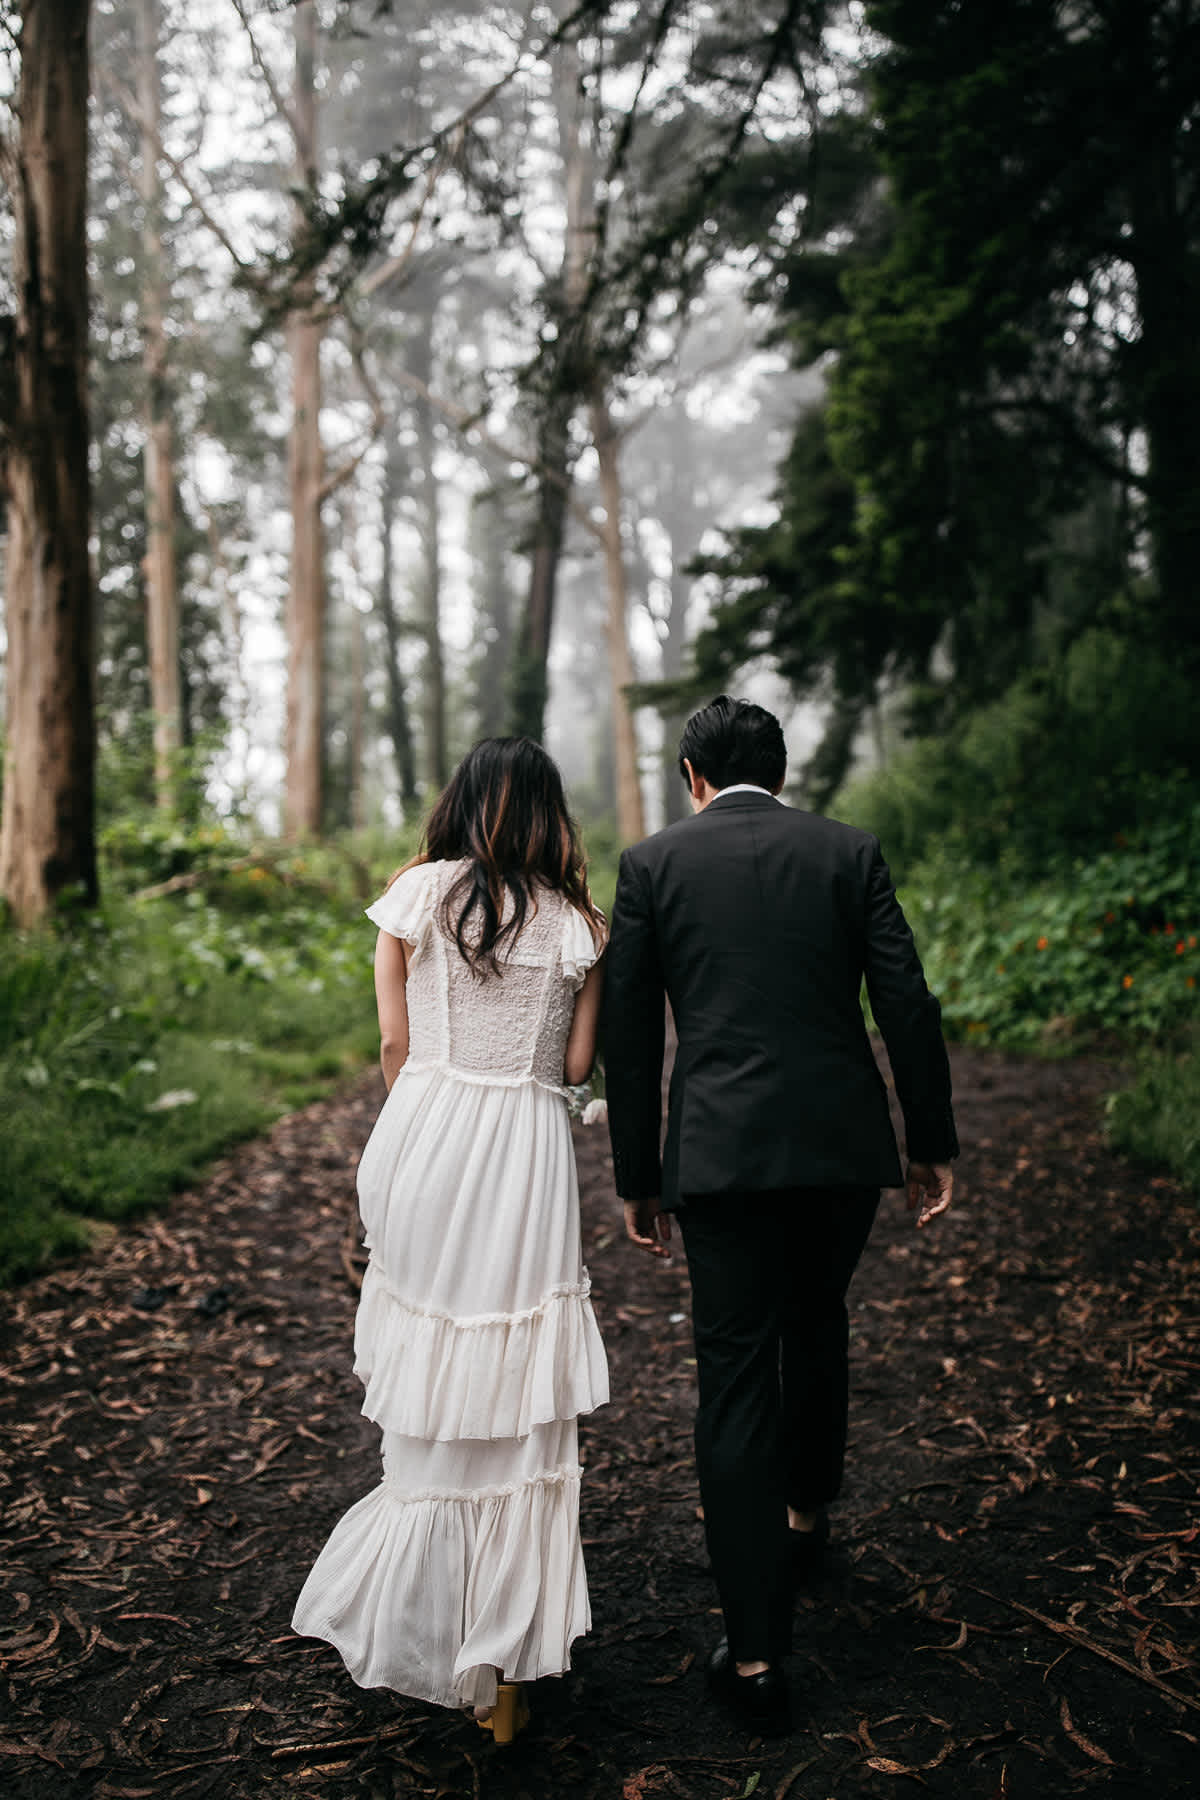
[[47, 837], [429, 525], [305, 721], [160, 569], [529, 682], [631, 817], [399, 722]]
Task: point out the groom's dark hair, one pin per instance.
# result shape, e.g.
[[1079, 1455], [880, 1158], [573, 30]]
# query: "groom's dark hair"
[[729, 741]]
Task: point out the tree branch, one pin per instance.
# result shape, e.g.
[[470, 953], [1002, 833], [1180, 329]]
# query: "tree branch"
[[279, 99], [390, 272], [1070, 432], [466, 421], [358, 355], [127, 101]]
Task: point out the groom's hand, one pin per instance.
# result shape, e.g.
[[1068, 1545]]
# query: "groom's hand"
[[930, 1186], [647, 1226]]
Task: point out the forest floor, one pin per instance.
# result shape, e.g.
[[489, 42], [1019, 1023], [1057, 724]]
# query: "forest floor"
[[1012, 1601]]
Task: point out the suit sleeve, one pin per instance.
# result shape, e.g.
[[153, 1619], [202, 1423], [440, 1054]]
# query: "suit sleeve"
[[633, 1034], [910, 1021]]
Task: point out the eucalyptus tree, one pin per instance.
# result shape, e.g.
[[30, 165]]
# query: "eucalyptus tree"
[[417, 298], [640, 162], [668, 103], [180, 399], [47, 835], [161, 559]]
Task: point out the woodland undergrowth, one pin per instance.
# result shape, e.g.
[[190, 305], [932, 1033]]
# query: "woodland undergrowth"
[[219, 986]]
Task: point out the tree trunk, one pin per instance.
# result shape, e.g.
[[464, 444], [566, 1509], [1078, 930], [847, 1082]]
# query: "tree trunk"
[[399, 725], [675, 805], [495, 615], [305, 722], [358, 799], [684, 515], [47, 837], [529, 679], [631, 818], [528, 674], [161, 577], [437, 761]]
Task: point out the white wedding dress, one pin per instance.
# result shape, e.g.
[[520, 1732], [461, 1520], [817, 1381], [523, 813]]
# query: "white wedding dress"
[[475, 1339]]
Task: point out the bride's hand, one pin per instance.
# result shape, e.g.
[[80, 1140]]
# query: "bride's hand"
[[647, 1226]]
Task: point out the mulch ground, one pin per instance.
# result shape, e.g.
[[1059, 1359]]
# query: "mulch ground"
[[1010, 1605]]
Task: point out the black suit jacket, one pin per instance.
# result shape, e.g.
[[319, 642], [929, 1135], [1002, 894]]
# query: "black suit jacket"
[[759, 924]]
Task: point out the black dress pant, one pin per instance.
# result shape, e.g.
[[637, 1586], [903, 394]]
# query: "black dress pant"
[[769, 1276]]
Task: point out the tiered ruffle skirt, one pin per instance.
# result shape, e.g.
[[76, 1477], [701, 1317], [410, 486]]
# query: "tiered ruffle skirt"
[[477, 1349]]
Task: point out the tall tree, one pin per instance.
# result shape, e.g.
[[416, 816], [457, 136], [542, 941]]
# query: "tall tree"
[[631, 813], [429, 528], [47, 836], [1030, 333], [489, 545], [560, 378], [398, 720], [304, 726], [160, 565]]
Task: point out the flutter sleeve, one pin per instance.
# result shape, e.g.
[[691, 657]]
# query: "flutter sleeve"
[[406, 909], [579, 947]]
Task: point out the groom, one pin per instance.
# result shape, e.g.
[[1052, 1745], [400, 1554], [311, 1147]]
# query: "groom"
[[759, 924]]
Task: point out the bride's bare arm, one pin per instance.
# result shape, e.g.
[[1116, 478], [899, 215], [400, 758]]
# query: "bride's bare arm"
[[391, 974], [581, 1040]]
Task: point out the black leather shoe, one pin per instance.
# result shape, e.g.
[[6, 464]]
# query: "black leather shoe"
[[759, 1702], [807, 1548]]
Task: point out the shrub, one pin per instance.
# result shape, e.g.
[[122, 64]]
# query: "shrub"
[[1103, 945], [1158, 1119], [1099, 743]]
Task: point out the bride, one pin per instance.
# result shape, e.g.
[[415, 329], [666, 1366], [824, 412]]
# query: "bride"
[[460, 1575]]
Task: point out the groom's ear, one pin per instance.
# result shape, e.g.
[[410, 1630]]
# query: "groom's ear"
[[691, 777]]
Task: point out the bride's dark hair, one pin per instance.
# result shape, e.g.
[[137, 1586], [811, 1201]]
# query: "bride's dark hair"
[[504, 812]]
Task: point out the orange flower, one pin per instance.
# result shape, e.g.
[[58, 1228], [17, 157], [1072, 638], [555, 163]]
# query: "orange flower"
[[1191, 981], [1191, 943], [1043, 943], [1110, 918], [1180, 947], [1127, 981], [1170, 931], [999, 968]]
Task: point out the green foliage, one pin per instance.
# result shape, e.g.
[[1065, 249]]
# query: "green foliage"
[[1105, 946], [138, 1042], [1099, 741], [988, 377], [602, 847], [1158, 1119]]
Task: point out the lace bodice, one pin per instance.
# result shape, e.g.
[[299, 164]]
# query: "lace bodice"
[[504, 1028]]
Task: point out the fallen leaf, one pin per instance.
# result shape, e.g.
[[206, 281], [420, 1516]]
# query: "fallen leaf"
[[1076, 1736]]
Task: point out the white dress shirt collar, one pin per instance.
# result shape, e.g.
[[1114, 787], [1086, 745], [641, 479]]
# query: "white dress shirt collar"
[[743, 787]]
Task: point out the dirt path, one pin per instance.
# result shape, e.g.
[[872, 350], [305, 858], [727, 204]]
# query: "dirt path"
[[1011, 1607]]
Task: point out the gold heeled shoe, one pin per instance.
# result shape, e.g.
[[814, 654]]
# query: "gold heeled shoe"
[[509, 1715]]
